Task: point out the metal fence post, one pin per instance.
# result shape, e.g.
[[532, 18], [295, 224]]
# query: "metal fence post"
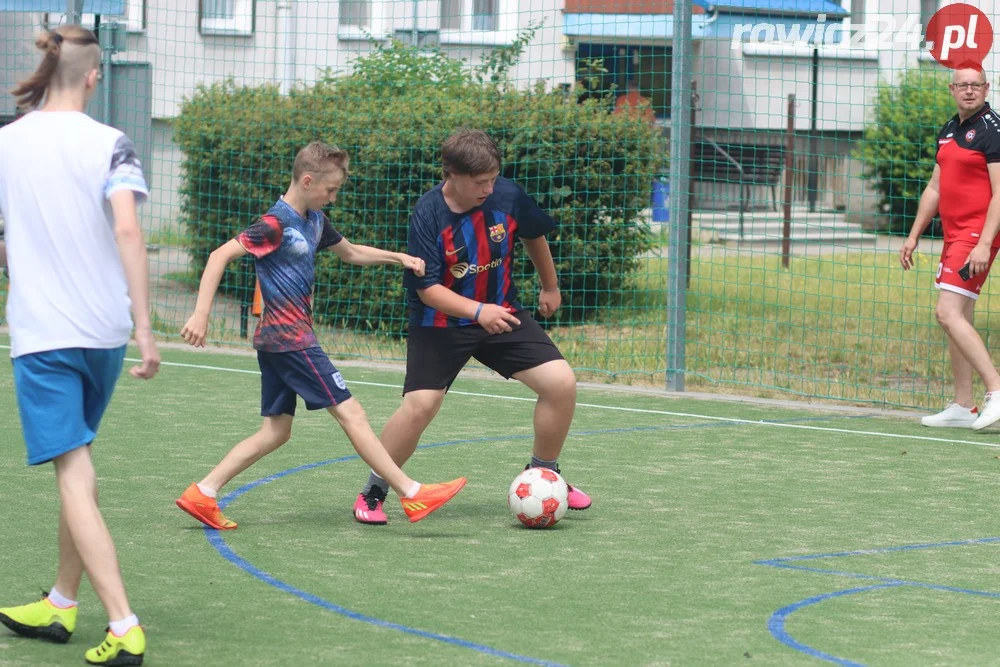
[[74, 10], [680, 150]]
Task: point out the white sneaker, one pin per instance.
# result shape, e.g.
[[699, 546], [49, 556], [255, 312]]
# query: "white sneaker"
[[990, 413], [956, 416]]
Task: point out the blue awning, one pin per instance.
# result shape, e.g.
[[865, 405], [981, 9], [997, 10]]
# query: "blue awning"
[[103, 7], [627, 26], [775, 7]]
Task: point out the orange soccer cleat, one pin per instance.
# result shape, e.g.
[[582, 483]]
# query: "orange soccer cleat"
[[203, 508], [431, 497]]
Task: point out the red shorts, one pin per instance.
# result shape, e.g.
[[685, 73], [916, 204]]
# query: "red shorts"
[[953, 258]]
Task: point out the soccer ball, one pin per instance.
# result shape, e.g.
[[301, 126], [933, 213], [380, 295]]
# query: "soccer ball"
[[537, 497]]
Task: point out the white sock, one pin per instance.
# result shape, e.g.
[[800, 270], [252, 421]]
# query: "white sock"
[[414, 490], [211, 493], [124, 625], [60, 600]]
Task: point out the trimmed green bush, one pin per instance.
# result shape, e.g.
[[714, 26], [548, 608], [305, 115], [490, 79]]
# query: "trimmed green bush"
[[592, 171], [898, 147]]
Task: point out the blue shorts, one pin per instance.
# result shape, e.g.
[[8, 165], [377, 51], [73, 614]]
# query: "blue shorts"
[[62, 395], [307, 373]]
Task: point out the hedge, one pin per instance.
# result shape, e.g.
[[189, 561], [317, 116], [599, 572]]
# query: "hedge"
[[898, 146], [591, 170]]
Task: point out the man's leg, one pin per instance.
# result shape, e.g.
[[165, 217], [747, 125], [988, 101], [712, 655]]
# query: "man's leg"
[[954, 313], [87, 532]]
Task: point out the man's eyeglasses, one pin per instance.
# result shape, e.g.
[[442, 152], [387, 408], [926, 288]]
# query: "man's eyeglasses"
[[970, 86]]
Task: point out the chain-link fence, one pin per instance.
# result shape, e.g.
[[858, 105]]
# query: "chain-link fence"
[[804, 152]]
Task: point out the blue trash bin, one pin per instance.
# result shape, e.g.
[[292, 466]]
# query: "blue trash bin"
[[661, 201]]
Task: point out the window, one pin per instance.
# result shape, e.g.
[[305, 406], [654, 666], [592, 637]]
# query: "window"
[[356, 13], [484, 15], [226, 17], [134, 19], [468, 15], [478, 21], [357, 19], [451, 14], [648, 66], [485, 22]]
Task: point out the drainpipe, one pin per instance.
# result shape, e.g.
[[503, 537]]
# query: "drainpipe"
[[74, 8], [108, 48], [285, 46]]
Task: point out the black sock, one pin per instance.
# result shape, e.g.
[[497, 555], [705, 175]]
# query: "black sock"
[[538, 463], [376, 481]]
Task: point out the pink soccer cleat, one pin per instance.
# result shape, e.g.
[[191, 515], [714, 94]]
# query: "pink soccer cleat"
[[577, 499], [368, 508]]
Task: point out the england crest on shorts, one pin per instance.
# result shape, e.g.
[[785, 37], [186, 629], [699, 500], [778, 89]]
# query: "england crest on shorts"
[[338, 380], [498, 233]]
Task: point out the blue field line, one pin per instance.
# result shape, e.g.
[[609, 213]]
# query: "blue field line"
[[218, 543], [776, 623], [884, 550], [215, 539]]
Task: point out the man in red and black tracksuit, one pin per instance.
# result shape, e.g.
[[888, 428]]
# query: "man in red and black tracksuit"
[[965, 190]]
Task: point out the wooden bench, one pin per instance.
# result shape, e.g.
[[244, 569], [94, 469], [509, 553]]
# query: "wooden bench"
[[744, 165]]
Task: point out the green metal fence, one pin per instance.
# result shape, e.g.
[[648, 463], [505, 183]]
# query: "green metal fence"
[[720, 225]]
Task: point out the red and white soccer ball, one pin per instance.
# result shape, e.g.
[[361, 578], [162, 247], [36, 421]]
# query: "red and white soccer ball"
[[538, 497]]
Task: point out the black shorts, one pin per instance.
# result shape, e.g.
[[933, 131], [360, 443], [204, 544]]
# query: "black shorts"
[[436, 355]]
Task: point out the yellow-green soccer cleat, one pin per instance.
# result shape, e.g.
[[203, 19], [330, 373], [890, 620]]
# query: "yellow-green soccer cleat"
[[40, 620], [125, 650]]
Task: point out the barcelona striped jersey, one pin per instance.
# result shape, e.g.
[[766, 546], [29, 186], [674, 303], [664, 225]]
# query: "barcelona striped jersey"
[[470, 253]]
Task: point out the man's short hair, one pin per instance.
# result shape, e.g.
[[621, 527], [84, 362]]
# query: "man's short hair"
[[319, 158], [969, 64], [470, 153]]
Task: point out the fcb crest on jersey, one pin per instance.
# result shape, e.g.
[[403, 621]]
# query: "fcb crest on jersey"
[[498, 233], [970, 135]]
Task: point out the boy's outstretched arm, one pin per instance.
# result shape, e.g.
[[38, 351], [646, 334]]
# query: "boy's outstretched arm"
[[196, 328], [364, 255]]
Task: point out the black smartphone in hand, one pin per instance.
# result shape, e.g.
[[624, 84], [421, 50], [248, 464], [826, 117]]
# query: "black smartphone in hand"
[[964, 272]]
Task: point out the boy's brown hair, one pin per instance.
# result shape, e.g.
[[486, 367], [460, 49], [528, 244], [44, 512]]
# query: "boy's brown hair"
[[470, 153], [318, 158], [71, 52]]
